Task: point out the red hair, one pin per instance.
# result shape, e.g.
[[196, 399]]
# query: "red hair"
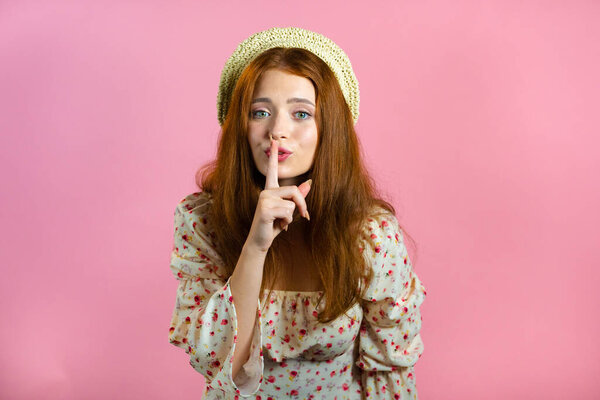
[[342, 194]]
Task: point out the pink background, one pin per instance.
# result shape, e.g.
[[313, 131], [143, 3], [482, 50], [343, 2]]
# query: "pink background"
[[479, 120]]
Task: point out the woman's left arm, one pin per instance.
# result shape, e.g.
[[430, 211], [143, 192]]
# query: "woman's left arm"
[[390, 343]]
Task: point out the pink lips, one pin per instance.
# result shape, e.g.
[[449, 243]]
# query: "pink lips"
[[283, 152], [281, 157], [280, 149]]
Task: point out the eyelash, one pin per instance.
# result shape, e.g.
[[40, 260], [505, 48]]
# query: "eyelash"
[[253, 114]]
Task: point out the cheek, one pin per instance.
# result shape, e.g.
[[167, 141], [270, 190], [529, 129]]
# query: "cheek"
[[310, 140], [252, 139]]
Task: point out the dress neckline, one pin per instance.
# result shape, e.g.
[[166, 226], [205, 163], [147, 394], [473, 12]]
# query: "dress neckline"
[[294, 291]]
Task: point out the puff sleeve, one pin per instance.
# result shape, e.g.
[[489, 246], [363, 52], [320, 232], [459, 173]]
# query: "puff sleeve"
[[204, 321], [389, 339]]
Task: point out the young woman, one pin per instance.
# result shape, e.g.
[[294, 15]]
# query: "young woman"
[[294, 280]]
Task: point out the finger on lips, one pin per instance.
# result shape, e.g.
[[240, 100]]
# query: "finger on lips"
[[272, 180]]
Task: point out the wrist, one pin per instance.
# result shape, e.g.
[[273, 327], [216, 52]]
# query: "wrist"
[[254, 251]]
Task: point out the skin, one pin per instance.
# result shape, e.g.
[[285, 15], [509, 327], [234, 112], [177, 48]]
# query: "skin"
[[291, 124]]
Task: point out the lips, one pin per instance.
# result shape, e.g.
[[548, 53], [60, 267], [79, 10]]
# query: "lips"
[[281, 150]]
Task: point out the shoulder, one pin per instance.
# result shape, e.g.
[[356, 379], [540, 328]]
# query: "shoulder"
[[195, 202], [192, 216], [384, 252], [194, 207], [194, 233], [381, 225]]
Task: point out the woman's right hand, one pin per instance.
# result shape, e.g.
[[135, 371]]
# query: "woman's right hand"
[[274, 212]]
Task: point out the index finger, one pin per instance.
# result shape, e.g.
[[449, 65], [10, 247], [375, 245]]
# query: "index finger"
[[273, 167]]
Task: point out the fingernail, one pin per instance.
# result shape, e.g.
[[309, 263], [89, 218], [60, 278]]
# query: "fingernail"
[[307, 216], [286, 228], [309, 182]]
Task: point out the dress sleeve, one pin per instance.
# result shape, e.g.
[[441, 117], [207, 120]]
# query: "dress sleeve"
[[389, 341], [204, 321]]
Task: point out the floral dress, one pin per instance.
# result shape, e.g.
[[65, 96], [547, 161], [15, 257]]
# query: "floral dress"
[[368, 353]]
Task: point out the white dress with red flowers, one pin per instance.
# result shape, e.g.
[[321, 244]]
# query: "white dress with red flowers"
[[369, 353]]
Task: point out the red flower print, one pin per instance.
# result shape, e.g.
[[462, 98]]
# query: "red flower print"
[[341, 330], [271, 379], [319, 388], [215, 316], [294, 373], [384, 223], [283, 364], [303, 332], [377, 249], [224, 322], [345, 386], [268, 346], [329, 345], [286, 338], [306, 302], [294, 392]]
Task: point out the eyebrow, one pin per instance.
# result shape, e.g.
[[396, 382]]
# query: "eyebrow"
[[291, 100]]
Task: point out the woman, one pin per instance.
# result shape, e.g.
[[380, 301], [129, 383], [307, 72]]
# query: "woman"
[[294, 280]]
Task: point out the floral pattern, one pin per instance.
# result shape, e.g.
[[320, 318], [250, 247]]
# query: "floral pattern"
[[367, 353]]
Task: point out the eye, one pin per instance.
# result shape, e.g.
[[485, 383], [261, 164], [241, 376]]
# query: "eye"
[[302, 114], [259, 114]]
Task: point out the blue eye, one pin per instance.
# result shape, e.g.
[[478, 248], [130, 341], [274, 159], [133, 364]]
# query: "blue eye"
[[303, 112], [257, 114]]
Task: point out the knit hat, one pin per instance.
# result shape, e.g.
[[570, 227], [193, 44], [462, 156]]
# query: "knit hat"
[[316, 43]]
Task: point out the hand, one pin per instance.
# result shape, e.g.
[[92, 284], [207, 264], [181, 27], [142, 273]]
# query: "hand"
[[273, 212]]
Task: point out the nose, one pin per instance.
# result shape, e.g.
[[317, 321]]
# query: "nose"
[[279, 127]]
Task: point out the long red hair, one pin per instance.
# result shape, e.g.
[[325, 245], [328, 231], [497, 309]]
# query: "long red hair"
[[342, 195]]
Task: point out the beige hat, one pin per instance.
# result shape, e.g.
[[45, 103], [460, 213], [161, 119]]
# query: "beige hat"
[[316, 43]]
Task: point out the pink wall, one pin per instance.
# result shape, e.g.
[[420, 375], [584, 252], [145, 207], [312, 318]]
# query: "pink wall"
[[479, 119]]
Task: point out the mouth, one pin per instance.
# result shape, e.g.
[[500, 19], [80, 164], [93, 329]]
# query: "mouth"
[[281, 156], [280, 153]]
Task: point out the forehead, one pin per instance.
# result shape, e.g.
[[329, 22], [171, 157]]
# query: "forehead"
[[275, 82]]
